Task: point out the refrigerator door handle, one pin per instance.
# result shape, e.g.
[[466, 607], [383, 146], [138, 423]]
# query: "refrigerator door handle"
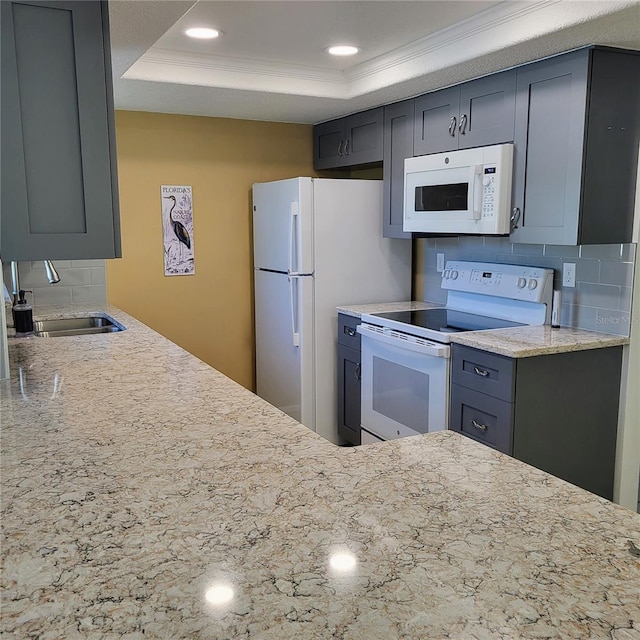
[[293, 236], [295, 335]]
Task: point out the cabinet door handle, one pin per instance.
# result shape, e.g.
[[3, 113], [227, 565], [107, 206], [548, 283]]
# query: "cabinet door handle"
[[357, 371], [515, 217], [346, 148], [481, 372], [350, 331], [340, 148], [463, 124], [477, 425], [452, 126]]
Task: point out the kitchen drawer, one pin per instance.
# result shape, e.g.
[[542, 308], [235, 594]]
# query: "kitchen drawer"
[[482, 418], [482, 371], [347, 334]]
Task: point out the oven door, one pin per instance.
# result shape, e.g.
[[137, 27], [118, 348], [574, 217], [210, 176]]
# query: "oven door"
[[405, 384]]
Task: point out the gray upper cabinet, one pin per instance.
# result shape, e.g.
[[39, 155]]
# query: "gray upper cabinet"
[[436, 121], [398, 145], [59, 183], [473, 114], [348, 142], [576, 148]]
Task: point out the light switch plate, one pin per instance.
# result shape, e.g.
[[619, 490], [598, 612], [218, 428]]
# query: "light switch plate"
[[439, 262]]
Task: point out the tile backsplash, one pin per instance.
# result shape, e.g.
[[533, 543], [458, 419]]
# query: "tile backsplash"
[[80, 281], [601, 299]]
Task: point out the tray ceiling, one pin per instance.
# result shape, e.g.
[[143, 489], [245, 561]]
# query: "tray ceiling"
[[271, 63]]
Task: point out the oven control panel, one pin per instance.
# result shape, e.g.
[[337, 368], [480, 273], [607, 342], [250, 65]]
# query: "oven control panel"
[[532, 284]]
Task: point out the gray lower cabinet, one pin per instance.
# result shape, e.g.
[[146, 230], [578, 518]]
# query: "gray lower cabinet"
[[473, 114], [398, 145], [556, 412], [59, 183], [348, 142], [576, 148], [348, 379]]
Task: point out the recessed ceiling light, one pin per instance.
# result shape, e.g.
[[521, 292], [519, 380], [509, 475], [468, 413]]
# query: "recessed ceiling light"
[[203, 33], [343, 50]]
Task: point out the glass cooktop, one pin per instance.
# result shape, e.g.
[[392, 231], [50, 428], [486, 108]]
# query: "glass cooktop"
[[446, 320]]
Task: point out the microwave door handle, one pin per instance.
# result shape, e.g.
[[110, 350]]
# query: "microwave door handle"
[[476, 181]]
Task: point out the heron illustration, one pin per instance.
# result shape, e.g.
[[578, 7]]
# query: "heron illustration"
[[178, 228]]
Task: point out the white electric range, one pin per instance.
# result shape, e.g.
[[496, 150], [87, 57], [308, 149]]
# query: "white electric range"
[[405, 354]]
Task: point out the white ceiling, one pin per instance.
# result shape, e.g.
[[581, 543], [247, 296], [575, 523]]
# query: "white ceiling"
[[270, 63]]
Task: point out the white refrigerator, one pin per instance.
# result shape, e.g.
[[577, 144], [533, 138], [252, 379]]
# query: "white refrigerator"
[[317, 245]]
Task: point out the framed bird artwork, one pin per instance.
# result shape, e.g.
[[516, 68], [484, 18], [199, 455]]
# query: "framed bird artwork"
[[177, 230]]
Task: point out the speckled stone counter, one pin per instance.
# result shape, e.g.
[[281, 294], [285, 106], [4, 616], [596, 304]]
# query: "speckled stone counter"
[[522, 342], [146, 495], [517, 342], [357, 310]]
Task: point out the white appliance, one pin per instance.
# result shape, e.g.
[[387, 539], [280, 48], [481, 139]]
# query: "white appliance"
[[467, 191], [405, 354], [317, 245]]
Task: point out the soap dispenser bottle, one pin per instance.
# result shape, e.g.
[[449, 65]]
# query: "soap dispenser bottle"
[[22, 315]]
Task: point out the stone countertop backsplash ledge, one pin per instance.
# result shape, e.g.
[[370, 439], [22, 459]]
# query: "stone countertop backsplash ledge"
[[146, 495]]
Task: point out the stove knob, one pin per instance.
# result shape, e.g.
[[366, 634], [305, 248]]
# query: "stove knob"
[[454, 275], [533, 284], [446, 274], [522, 283]]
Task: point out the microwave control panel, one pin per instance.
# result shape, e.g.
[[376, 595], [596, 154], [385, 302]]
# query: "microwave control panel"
[[489, 200]]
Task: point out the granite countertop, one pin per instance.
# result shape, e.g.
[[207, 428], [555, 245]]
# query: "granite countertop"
[[523, 342], [356, 310], [516, 342], [146, 495]]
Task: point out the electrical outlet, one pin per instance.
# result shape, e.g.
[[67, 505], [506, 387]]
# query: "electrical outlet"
[[439, 262], [569, 274]]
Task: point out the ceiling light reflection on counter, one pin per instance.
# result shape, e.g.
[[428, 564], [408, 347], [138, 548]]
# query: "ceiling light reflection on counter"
[[203, 33], [219, 594], [343, 561], [343, 50]]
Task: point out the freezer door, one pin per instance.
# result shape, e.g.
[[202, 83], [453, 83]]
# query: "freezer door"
[[284, 343], [282, 226]]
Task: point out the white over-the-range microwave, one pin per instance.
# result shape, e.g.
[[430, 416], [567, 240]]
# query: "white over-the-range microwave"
[[467, 191]]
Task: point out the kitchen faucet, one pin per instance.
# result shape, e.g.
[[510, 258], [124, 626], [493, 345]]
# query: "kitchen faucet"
[[52, 276]]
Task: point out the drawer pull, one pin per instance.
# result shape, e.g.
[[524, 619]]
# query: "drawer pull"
[[350, 331], [357, 371], [477, 425], [481, 372]]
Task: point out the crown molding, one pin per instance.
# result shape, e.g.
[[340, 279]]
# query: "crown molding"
[[496, 28], [487, 20]]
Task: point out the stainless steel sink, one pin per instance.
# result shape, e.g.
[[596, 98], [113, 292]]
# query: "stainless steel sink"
[[85, 325]]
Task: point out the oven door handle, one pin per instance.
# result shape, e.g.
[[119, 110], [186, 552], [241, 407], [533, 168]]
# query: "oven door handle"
[[429, 349]]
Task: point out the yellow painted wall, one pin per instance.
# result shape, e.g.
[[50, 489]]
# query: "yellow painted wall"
[[210, 313]]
